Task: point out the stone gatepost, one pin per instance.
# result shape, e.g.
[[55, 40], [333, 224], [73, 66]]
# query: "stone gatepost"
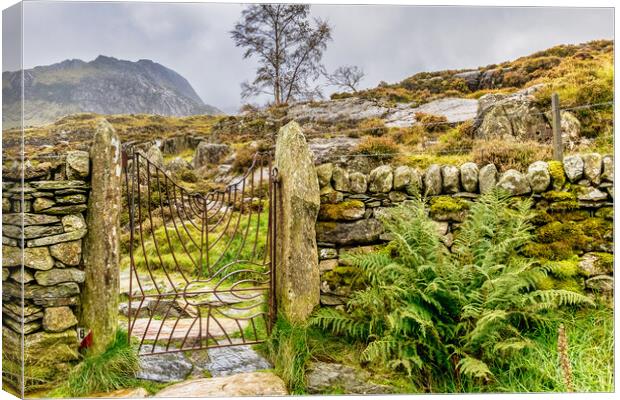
[[101, 247], [297, 269]]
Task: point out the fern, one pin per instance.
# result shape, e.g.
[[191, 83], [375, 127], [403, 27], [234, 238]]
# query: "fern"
[[426, 310]]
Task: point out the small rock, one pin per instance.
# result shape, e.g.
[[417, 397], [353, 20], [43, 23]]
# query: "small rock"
[[608, 169], [73, 222], [357, 182], [58, 319], [538, 176], [573, 167], [359, 232], [327, 253], [55, 276], [381, 179], [42, 203], [397, 197], [469, 177], [601, 283], [328, 265], [22, 276], [592, 166], [592, 194], [514, 183], [451, 178], [178, 164], [78, 164], [324, 174], [432, 180], [323, 377], [593, 264], [54, 239], [69, 253], [155, 156], [37, 258], [442, 227], [340, 179]]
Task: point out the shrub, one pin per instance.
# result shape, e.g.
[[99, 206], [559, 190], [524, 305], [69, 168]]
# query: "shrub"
[[436, 315], [372, 126], [244, 156], [431, 122], [380, 148], [508, 155]]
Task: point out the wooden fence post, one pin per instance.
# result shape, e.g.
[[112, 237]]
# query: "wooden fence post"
[[557, 127]]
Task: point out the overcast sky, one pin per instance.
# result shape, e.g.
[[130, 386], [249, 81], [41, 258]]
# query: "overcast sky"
[[388, 42]]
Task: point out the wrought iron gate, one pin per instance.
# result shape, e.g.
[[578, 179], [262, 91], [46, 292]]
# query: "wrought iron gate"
[[201, 266]]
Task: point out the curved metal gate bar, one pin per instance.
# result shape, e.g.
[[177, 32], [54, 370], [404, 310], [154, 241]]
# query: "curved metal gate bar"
[[201, 266]]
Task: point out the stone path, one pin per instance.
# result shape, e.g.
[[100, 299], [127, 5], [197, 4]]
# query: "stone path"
[[178, 328], [245, 384]]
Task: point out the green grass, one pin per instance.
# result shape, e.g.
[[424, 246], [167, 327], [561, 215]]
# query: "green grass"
[[590, 348], [114, 369]]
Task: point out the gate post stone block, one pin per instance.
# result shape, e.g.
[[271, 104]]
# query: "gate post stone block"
[[297, 265], [101, 247]]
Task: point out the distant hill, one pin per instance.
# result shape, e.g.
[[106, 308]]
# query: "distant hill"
[[105, 85]]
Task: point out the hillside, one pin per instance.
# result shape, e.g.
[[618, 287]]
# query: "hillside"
[[105, 85]]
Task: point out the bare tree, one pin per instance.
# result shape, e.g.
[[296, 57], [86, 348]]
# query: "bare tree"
[[347, 77], [289, 49]]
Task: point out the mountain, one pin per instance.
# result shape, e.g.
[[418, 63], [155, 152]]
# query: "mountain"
[[105, 85]]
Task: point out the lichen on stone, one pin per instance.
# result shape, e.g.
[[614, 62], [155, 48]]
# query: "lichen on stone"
[[556, 170]]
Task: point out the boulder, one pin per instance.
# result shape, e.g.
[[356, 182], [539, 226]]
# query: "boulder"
[[209, 153], [573, 167], [155, 156], [514, 182], [592, 166], [450, 176], [592, 194], [77, 164], [381, 179], [469, 177], [58, 319], [357, 182], [432, 180], [178, 164], [298, 282], [324, 174], [244, 384], [538, 176], [608, 169], [512, 116], [340, 179], [364, 231], [571, 129]]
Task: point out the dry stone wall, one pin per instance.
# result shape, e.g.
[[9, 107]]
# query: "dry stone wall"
[[572, 200], [43, 226]]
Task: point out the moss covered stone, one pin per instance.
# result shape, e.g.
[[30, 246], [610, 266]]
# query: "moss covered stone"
[[605, 213], [446, 208], [556, 170], [556, 195], [349, 210]]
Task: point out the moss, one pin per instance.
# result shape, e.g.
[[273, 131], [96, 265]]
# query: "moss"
[[556, 170], [605, 213], [575, 215], [574, 284], [447, 204], [564, 269], [541, 217], [553, 231], [604, 261], [562, 206], [555, 195], [340, 211], [545, 283]]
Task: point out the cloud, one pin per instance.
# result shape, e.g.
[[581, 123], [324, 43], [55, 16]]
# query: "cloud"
[[388, 42]]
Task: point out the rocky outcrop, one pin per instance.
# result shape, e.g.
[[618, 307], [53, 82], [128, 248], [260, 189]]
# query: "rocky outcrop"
[[209, 153]]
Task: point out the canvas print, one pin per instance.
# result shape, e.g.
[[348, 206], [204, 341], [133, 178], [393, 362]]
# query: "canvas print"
[[221, 199]]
